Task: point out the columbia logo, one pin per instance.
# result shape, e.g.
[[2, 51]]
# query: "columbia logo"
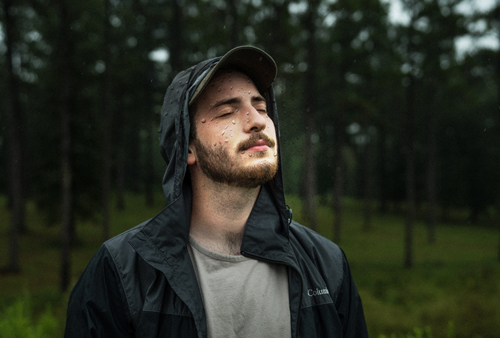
[[317, 292]]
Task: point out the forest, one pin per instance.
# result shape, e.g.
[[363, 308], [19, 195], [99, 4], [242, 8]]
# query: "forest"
[[389, 123]]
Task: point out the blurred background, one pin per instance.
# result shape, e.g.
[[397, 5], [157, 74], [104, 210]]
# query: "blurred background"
[[390, 129]]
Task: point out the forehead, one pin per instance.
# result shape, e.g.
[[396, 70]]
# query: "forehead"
[[226, 83], [227, 77]]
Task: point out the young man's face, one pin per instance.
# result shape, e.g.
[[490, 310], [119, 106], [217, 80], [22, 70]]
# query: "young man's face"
[[235, 141]]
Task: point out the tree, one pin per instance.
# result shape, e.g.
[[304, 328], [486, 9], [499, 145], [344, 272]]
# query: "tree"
[[65, 158], [15, 126], [310, 171], [107, 113]]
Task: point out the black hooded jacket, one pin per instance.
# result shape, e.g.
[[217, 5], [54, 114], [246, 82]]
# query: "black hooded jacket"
[[141, 283]]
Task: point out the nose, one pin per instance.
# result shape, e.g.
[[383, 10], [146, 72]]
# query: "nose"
[[255, 120]]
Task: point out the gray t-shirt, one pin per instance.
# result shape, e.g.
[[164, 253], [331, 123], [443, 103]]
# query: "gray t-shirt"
[[242, 297]]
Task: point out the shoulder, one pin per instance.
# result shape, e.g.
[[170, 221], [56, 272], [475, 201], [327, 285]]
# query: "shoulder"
[[318, 257], [125, 259], [104, 261], [314, 244], [120, 242]]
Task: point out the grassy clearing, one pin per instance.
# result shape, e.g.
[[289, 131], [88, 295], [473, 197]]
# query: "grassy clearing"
[[454, 282]]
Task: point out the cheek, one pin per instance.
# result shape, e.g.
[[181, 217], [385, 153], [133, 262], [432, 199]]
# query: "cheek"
[[218, 134], [271, 131]]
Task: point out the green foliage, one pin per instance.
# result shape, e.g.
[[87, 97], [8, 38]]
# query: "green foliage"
[[423, 333], [17, 321], [453, 281], [417, 333], [362, 71], [363, 66]]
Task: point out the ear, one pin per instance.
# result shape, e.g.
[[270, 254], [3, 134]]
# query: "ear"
[[191, 154]]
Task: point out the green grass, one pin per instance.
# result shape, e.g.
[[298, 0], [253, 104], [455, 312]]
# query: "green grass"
[[455, 280], [453, 283]]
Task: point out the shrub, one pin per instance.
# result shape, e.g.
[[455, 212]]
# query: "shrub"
[[422, 333], [17, 321]]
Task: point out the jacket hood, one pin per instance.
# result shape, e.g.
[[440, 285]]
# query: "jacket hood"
[[174, 137]]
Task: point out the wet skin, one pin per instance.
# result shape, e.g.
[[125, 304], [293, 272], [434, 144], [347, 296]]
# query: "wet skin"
[[235, 136]]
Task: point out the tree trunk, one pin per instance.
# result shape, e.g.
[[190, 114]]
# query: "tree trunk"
[[410, 176], [497, 19], [338, 186], [120, 162], [66, 170], [107, 114], [410, 155], [367, 184], [382, 174], [431, 177], [176, 39], [15, 143], [310, 127], [234, 28], [149, 182]]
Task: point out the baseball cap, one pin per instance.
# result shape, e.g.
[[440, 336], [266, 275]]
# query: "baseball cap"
[[252, 61]]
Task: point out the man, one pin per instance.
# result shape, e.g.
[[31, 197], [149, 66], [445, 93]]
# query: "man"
[[224, 258]]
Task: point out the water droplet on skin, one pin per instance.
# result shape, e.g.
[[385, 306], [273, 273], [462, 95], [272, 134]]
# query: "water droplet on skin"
[[250, 155], [234, 122], [203, 120], [223, 132]]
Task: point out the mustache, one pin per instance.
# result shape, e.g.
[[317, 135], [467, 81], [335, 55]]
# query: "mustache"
[[244, 145]]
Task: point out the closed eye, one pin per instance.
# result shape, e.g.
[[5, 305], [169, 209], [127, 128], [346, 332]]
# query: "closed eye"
[[225, 114], [261, 109]]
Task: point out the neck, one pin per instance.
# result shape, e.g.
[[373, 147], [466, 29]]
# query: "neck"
[[219, 215]]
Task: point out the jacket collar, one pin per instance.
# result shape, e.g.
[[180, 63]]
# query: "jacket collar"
[[162, 243]]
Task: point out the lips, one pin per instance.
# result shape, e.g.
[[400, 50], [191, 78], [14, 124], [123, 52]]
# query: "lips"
[[260, 145], [257, 142]]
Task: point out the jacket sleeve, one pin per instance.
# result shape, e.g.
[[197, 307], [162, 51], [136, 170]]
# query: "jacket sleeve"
[[350, 308], [97, 306]]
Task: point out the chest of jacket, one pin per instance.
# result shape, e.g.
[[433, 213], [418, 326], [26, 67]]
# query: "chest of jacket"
[[160, 312]]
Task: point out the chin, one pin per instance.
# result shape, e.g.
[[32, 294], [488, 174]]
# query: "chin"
[[258, 174]]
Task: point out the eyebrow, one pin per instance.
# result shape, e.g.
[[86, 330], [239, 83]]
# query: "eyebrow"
[[235, 100]]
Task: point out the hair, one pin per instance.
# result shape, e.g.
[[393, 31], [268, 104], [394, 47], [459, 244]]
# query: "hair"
[[193, 109]]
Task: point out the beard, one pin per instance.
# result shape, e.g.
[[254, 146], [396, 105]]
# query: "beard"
[[216, 164]]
